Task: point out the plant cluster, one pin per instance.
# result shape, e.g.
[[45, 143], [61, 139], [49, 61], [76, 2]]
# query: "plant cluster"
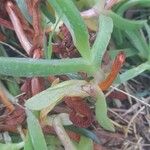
[[35, 25]]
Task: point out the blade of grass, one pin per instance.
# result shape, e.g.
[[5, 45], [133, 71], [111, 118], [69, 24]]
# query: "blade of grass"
[[49, 47], [138, 42], [147, 27], [13, 86], [122, 23], [35, 132], [131, 73], [48, 11]]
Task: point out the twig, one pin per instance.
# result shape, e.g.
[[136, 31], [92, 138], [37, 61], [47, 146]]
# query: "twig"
[[110, 91], [137, 99], [135, 106], [126, 89], [117, 115], [12, 48], [132, 120], [19, 128]]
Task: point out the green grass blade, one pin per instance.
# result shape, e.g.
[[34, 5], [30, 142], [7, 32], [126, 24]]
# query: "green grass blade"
[[123, 24], [71, 17], [48, 11], [102, 40], [138, 42], [147, 27], [131, 73], [35, 132]]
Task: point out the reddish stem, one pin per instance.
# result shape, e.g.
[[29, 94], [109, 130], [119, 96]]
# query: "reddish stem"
[[119, 60], [18, 27]]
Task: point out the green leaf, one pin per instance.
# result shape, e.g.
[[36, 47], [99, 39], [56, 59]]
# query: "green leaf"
[[85, 143], [28, 143], [138, 42], [48, 11], [125, 24], [35, 132], [27, 67], [13, 146], [53, 95], [13, 86], [72, 19], [147, 27], [101, 111], [131, 73], [102, 40]]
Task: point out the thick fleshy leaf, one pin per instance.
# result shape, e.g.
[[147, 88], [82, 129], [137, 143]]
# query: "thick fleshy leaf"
[[35, 132], [102, 40], [27, 67], [101, 112], [53, 95], [72, 19]]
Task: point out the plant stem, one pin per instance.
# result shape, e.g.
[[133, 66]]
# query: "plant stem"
[[18, 27]]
